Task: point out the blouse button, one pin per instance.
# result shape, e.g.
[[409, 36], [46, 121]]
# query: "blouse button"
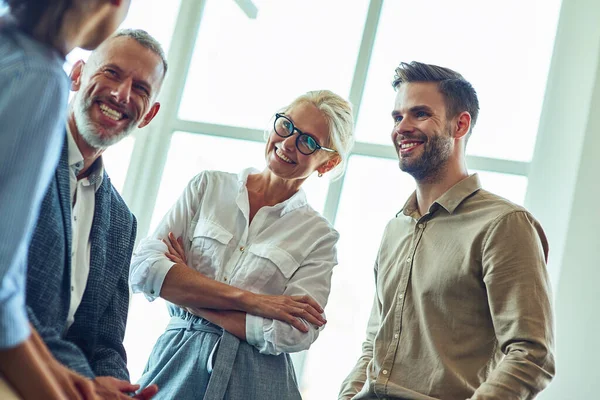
[[242, 248]]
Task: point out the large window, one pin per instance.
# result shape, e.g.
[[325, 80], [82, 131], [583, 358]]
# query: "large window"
[[244, 69], [502, 48], [243, 60]]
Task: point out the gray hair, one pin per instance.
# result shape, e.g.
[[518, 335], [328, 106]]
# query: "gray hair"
[[147, 41], [338, 114]]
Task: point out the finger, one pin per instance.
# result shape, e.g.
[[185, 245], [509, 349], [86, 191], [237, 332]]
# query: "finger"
[[180, 244], [174, 258], [68, 384], [297, 323], [175, 242], [71, 392], [86, 389], [310, 301], [311, 312], [169, 247], [307, 313], [147, 393], [124, 386]]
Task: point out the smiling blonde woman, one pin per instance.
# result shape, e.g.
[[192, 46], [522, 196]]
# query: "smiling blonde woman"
[[245, 264]]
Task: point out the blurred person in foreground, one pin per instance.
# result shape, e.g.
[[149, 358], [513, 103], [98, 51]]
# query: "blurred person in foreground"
[[35, 37]]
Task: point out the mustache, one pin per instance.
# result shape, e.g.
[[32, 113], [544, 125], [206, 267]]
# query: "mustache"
[[110, 102], [415, 136]]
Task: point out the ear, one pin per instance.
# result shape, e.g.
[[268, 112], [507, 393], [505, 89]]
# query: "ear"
[[329, 164], [75, 75], [462, 125], [149, 115]]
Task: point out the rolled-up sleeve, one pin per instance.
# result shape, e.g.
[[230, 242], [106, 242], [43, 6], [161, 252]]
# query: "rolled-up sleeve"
[[313, 278], [149, 267], [149, 264]]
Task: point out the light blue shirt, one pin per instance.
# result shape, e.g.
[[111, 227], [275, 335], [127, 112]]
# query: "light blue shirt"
[[33, 97]]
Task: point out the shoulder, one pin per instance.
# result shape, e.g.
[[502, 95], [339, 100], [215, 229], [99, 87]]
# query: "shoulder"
[[493, 207], [315, 224], [217, 176], [212, 177], [24, 59], [504, 219]]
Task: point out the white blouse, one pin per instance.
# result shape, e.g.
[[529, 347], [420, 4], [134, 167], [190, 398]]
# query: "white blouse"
[[288, 249]]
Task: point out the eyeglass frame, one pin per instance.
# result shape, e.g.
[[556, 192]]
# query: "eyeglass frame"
[[300, 134]]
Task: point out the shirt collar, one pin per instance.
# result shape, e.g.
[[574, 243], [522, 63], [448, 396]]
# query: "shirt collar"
[[75, 159], [297, 200], [449, 200]]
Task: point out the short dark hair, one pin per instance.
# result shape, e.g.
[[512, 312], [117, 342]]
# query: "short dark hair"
[[28, 15], [458, 93]]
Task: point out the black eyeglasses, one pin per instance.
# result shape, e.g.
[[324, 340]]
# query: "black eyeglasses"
[[305, 143]]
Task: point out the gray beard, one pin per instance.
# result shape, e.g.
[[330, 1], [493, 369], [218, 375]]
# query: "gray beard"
[[88, 129]]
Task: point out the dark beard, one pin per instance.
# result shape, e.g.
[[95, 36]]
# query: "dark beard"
[[429, 167]]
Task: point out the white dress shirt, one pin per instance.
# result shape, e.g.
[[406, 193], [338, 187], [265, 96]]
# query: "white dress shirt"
[[288, 249], [83, 201]]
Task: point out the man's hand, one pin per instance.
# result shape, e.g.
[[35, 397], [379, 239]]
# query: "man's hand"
[[108, 387], [73, 385]]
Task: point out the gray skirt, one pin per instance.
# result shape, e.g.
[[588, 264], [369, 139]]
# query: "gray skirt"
[[195, 359]]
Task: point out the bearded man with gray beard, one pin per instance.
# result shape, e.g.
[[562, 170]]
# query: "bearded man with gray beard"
[[77, 278]]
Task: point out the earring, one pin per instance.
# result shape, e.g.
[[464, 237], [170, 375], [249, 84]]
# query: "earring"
[[320, 174]]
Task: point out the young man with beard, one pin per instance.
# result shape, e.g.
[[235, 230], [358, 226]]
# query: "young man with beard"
[[462, 308], [77, 280]]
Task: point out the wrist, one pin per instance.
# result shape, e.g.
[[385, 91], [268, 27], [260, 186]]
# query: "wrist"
[[245, 301]]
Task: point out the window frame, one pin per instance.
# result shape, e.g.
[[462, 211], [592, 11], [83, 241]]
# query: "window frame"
[[152, 145]]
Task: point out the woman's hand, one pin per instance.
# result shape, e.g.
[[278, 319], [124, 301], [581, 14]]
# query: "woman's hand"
[[175, 247], [290, 309]]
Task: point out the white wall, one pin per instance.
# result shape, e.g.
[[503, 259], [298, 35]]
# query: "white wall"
[[563, 192]]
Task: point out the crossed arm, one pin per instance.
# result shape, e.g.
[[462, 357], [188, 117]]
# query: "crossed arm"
[[228, 309]]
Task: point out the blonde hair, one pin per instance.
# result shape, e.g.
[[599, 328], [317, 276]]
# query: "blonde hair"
[[338, 114]]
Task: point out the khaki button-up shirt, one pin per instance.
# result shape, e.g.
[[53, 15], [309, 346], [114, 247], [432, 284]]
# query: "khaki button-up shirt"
[[462, 307]]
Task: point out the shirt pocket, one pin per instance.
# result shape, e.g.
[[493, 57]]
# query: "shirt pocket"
[[270, 268], [208, 243]]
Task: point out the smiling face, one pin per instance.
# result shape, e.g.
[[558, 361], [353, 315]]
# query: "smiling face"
[[115, 91], [282, 156], [422, 134]]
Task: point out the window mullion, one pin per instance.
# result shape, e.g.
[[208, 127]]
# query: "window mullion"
[[152, 144]]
